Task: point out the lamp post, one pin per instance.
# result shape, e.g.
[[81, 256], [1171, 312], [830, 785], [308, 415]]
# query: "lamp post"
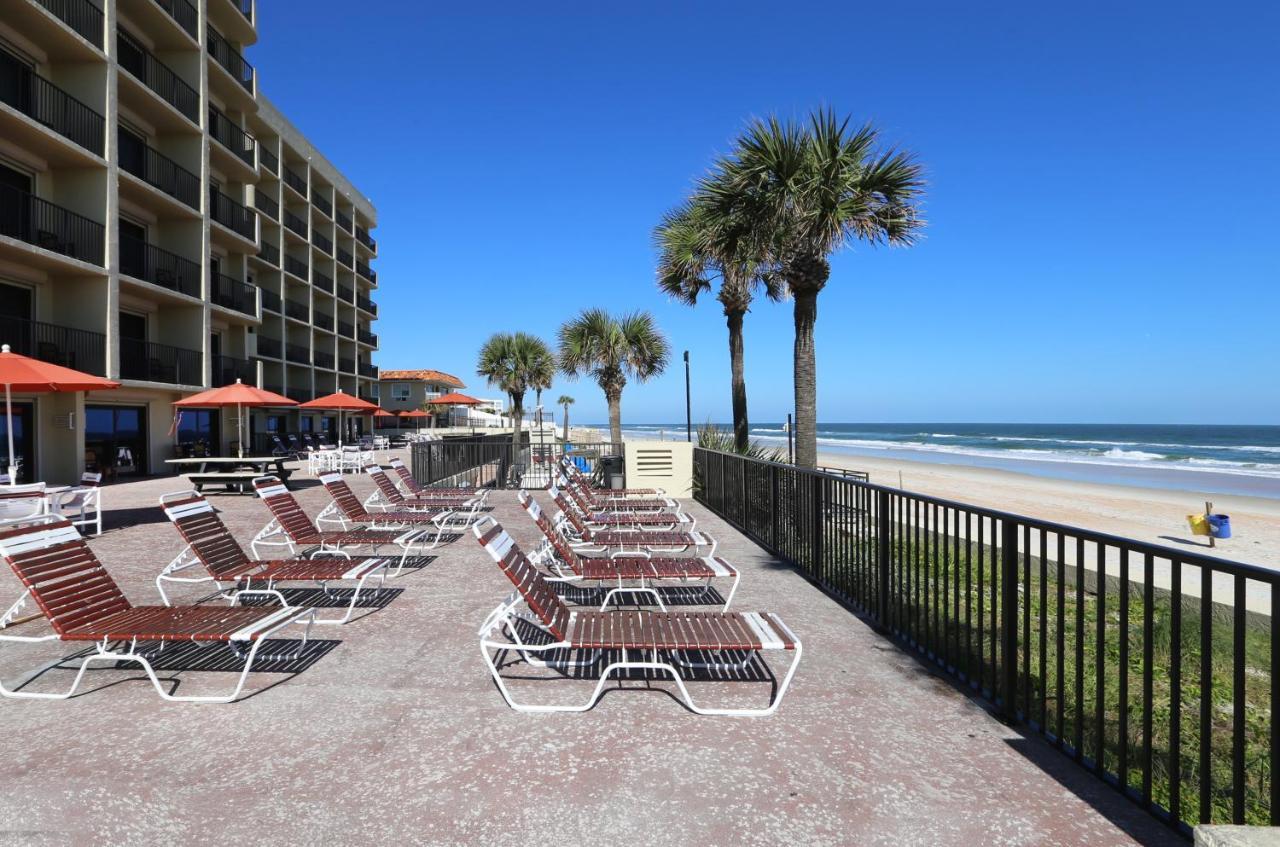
[[688, 408]]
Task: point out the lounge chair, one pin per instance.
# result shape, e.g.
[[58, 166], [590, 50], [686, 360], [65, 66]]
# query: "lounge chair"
[[211, 545], [588, 539], [588, 639], [624, 566], [82, 505], [84, 604], [386, 497], [412, 487], [346, 511], [589, 503], [623, 520], [574, 472], [290, 528]]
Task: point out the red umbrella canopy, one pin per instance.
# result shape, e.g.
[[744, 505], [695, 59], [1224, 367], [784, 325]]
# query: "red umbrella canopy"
[[22, 373], [383, 413], [237, 394], [453, 398], [412, 413], [340, 402]]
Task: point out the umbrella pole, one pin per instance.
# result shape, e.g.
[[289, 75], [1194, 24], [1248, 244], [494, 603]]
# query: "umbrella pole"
[[240, 429], [8, 415]]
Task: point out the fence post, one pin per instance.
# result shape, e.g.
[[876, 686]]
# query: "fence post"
[[882, 558], [819, 524], [773, 505], [1009, 621]]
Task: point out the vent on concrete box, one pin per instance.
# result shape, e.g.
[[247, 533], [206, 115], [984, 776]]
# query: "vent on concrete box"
[[653, 462]]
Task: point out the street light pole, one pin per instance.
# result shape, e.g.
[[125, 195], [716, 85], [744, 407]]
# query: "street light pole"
[[688, 407]]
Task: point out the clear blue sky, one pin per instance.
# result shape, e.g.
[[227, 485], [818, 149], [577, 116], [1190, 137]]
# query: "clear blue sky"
[[1104, 231]]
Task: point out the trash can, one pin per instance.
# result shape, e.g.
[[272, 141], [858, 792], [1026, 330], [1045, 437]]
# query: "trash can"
[[1199, 525], [1220, 526], [611, 470]]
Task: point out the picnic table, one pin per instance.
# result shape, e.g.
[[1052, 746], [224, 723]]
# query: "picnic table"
[[232, 472]]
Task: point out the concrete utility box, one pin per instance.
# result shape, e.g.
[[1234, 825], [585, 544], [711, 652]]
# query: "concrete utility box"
[[660, 464]]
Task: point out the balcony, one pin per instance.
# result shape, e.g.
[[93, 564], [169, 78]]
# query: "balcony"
[[298, 354], [295, 181], [232, 215], [297, 310], [232, 137], [48, 105], [149, 263], [323, 360], [322, 281], [364, 336], [266, 205], [184, 13], [346, 365], [228, 369], [363, 302], [296, 267], [269, 253], [158, 170], [158, 76], [322, 241], [301, 395], [81, 15], [343, 220], [345, 294], [61, 345], [362, 235], [345, 258], [322, 321], [365, 271], [346, 329], [268, 160], [231, 293], [230, 59], [271, 348], [368, 370], [152, 362], [270, 302], [318, 200], [28, 218], [295, 223], [246, 9]]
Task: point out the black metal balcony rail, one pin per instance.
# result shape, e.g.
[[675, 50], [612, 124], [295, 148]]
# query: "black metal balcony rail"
[[297, 267], [270, 301], [346, 365], [297, 353], [369, 370], [344, 220], [346, 330], [345, 258], [297, 309], [345, 293], [235, 139], [184, 13], [295, 223], [81, 15], [364, 270], [322, 281], [61, 345], [362, 235], [269, 253], [364, 336], [232, 293], [227, 369], [158, 170], [321, 359], [149, 263], [365, 303], [272, 348], [321, 202], [246, 9], [265, 204], [1143, 663], [323, 321], [157, 76], [152, 362], [227, 56], [28, 218], [322, 241], [232, 215], [294, 180], [48, 105], [268, 159], [301, 395]]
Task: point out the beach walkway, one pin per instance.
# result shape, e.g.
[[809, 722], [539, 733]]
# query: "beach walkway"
[[390, 729]]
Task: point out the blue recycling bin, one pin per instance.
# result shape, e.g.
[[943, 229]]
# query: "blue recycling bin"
[[1220, 526]]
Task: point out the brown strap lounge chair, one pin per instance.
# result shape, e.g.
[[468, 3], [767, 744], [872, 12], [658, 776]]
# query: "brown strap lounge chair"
[[211, 545], [84, 604], [624, 521], [573, 472], [387, 498], [586, 539], [592, 501], [623, 567], [412, 486], [619, 640], [346, 511]]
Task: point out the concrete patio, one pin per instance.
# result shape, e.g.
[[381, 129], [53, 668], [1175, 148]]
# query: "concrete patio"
[[393, 731]]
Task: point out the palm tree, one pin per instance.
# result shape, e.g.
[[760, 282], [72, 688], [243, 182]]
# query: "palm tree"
[[611, 350], [709, 237], [514, 362], [809, 191], [566, 401], [542, 370]]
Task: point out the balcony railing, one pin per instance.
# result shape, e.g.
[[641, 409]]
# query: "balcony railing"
[[227, 369], [321, 359], [365, 303], [364, 336], [362, 235], [146, 360], [232, 215], [346, 330], [184, 13], [149, 263], [343, 220], [47, 104], [227, 56], [235, 139], [271, 301], [345, 294], [295, 181], [297, 310], [345, 258], [268, 159], [246, 9], [295, 266], [297, 353], [271, 348], [158, 170], [231, 293], [322, 320], [322, 281], [79, 349], [320, 202], [269, 253], [369, 370], [322, 241], [364, 270], [28, 218], [266, 205], [346, 365], [81, 15], [157, 76], [295, 223]]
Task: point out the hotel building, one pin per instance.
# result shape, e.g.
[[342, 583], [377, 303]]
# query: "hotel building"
[[164, 225]]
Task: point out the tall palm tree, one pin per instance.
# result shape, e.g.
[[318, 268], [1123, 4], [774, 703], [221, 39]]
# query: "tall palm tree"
[[566, 401], [709, 237], [514, 362], [611, 350], [542, 370], [811, 190]]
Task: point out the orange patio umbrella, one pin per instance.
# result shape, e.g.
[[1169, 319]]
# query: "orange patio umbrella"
[[32, 376], [412, 413], [238, 395], [453, 398], [340, 402]]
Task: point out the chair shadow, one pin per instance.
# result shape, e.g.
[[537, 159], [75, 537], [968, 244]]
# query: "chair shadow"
[[318, 598], [1189, 542], [672, 595]]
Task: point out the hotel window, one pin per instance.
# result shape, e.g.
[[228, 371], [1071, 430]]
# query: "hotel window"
[[400, 391]]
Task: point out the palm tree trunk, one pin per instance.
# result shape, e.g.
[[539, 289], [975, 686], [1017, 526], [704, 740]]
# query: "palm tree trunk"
[[806, 393], [517, 413], [741, 428], [566, 424], [614, 397]]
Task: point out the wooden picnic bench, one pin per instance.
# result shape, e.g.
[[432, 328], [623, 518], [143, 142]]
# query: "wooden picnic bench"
[[231, 472]]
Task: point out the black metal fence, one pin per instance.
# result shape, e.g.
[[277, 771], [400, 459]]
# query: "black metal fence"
[[230, 59], [184, 13], [79, 349], [231, 136], [81, 15], [478, 460], [231, 214], [46, 103], [147, 360], [158, 170], [29, 218], [158, 76], [150, 263], [1153, 667]]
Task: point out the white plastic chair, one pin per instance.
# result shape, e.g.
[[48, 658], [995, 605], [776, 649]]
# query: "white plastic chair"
[[82, 505], [18, 502]]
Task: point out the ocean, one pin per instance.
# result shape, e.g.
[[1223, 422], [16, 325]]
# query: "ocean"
[[1220, 459]]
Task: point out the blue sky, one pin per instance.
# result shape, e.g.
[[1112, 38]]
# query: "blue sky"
[[1104, 231]]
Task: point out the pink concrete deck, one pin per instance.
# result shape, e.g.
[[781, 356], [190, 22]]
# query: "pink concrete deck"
[[398, 734]]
